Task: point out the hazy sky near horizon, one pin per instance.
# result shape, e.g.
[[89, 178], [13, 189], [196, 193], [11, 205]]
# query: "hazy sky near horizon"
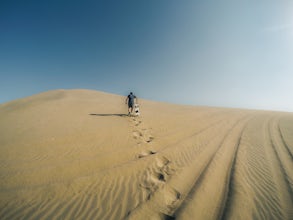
[[217, 53]]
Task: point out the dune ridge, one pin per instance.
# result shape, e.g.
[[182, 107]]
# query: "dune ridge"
[[74, 154]]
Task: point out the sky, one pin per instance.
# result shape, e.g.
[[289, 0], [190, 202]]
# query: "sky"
[[225, 53]]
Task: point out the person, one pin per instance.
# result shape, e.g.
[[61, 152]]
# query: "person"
[[130, 100]]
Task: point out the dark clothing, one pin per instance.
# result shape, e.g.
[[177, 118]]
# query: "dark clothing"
[[131, 98]]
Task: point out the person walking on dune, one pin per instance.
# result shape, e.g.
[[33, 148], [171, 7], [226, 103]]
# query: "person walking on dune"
[[130, 100]]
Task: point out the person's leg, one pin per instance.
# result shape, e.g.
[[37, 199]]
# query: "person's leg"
[[130, 107]]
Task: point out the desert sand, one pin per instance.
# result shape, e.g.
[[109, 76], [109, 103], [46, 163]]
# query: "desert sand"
[[74, 154]]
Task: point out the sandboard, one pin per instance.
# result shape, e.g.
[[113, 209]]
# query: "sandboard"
[[136, 110]]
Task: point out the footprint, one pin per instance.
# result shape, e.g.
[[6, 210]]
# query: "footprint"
[[167, 217], [172, 197], [150, 139], [159, 177], [162, 161], [137, 123], [165, 166], [137, 134], [152, 183], [146, 153]]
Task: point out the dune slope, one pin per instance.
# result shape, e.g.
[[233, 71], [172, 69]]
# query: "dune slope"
[[74, 154]]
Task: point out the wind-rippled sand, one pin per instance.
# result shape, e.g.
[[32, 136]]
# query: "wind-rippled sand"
[[74, 154]]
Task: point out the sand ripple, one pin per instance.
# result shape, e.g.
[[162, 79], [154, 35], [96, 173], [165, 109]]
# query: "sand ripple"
[[88, 160]]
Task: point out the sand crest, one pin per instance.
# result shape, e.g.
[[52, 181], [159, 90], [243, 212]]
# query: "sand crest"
[[75, 154]]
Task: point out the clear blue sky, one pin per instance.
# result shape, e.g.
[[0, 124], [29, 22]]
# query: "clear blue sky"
[[206, 52]]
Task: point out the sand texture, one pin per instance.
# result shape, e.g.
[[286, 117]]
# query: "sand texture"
[[74, 154]]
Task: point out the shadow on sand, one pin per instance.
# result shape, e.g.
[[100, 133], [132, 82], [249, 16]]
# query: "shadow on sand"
[[120, 115]]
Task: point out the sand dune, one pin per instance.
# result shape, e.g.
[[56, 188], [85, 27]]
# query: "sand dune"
[[74, 154]]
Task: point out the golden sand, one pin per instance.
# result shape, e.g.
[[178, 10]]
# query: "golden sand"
[[74, 154]]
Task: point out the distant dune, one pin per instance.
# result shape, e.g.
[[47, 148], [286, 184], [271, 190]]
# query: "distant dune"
[[74, 154]]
